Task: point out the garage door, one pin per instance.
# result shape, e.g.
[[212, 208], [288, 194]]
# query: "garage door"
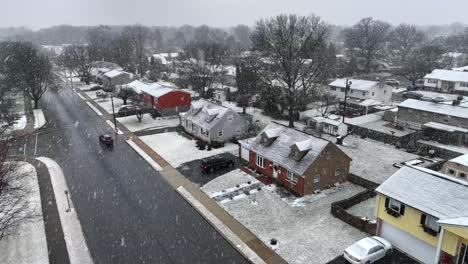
[[409, 244]]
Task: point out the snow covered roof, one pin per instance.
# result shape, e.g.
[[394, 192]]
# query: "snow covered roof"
[[462, 160], [453, 54], [273, 132], [138, 86], [459, 221], [279, 151], [363, 85], [444, 127], [461, 69], [304, 145], [158, 90], [370, 102], [208, 109], [114, 73], [443, 109], [448, 75], [431, 192]]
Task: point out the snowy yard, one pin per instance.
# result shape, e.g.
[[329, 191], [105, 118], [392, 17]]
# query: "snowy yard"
[[147, 122], [92, 94], [372, 160], [364, 209], [27, 245], [304, 227], [177, 149], [106, 104]]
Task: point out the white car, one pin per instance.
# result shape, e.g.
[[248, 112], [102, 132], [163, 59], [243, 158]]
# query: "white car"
[[367, 250]]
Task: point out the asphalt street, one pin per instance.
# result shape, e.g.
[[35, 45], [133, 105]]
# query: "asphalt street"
[[128, 212]]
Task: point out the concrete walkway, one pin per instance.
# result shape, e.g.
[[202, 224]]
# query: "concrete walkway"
[[178, 181]]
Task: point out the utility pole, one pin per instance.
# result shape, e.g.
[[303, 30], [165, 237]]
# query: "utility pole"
[[113, 110], [348, 85]]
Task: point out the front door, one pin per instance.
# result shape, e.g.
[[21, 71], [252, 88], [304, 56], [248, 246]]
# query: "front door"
[[463, 254], [275, 171]]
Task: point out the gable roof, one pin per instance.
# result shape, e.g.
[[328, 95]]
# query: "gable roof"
[[207, 109], [448, 75], [462, 160], [431, 192], [363, 85], [114, 73], [279, 151], [444, 109], [138, 86]]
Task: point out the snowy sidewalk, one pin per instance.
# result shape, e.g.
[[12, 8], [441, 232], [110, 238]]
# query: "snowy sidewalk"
[[76, 245], [28, 244]]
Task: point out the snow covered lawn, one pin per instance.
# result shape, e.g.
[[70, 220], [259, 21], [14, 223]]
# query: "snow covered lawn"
[[92, 94], [177, 149], [304, 227], [131, 122], [372, 160], [28, 244], [364, 209], [107, 104]]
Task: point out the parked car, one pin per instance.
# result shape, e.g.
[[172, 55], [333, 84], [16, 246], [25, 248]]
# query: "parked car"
[[107, 140], [368, 250], [95, 88], [128, 110], [101, 94], [412, 95], [215, 163], [392, 82]]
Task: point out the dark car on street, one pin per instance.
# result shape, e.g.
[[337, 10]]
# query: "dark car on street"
[[128, 110], [215, 163], [107, 140]]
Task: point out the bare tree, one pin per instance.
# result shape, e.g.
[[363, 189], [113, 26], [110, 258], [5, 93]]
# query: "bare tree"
[[29, 70], [405, 38], [291, 49], [202, 63], [124, 94], [138, 36], [369, 37], [122, 52], [76, 58]]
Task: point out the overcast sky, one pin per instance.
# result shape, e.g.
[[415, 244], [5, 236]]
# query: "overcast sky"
[[223, 13]]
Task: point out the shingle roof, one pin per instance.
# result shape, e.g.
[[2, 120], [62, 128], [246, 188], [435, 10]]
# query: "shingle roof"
[[207, 108], [448, 75], [431, 192], [279, 151], [114, 73], [445, 109]]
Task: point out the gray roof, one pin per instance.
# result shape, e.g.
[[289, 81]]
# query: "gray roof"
[[363, 85], [279, 151], [207, 108], [431, 192], [444, 109]]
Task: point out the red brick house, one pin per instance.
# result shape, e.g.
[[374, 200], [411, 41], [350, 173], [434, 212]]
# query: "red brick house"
[[300, 162]]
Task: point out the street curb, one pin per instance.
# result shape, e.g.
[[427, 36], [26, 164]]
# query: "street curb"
[[228, 234], [145, 156]]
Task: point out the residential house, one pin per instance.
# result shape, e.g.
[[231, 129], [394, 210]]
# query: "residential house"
[[302, 163], [114, 79], [137, 87], [447, 81], [425, 214], [457, 167], [166, 98], [332, 125], [223, 93], [443, 121], [361, 89], [214, 123]]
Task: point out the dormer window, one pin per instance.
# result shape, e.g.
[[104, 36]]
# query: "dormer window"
[[300, 149], [269, 136]]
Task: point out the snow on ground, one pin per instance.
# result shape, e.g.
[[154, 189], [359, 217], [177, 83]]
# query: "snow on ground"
[[147, 122], [459, 149], [364, 209], [28, 243], [228, 180], [39, 118], [372, 160], [306, 233], [177, 149], [92, 94], [107, 104]]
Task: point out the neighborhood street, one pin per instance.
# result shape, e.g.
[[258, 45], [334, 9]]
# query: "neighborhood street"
[[128, 212]]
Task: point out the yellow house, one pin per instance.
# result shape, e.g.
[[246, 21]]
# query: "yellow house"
[[425, 214]]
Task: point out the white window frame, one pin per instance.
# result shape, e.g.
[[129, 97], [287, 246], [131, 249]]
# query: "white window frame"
[[292, 176], [220, 133], [328, 155], [337, 172], [260, 161], [393, 204], [431, 223]]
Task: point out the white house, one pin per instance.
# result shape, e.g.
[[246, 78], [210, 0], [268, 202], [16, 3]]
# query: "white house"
[[447, 81], [331, 125], [361, 89]]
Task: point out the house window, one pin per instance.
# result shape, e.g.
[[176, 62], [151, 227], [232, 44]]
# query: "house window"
[[238, 132], [351, 91], [292, 176], [260, 162], [193, 127], [385, 91], [394, 207], [464, 84], [338, 172], [343, 90], [372, 93], [220, 133], [431, 81], [363, 93], [317, 178], [462, 175], [429, 224], [328, 155], [204, 132], [333, 88], [451, 171], [229, 118]]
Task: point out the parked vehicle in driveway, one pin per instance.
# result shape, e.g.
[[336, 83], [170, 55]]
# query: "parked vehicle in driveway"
[[128, 110], [106, 139], [412, 95], [368, 250], [392, 82], [101, 94], [215, 163]]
